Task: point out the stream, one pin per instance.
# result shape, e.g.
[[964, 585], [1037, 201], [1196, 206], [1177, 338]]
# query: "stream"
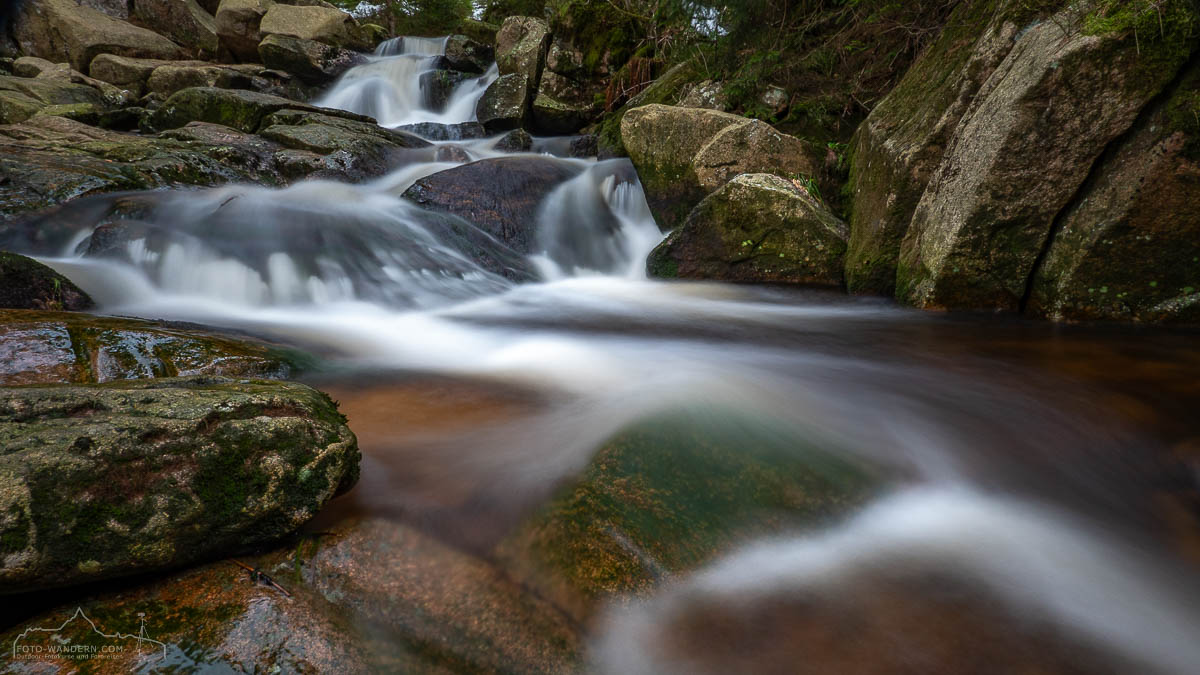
[[1049, 470]]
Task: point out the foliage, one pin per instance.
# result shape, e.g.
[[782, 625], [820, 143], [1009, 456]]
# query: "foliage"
[[1163, 30]]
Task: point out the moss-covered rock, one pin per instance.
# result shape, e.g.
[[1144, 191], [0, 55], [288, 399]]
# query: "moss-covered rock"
[[20, 95], [66, 348], [753, 147], [757, 228], [556, 118], [1055, 103], [1129, 246], [110, 480], [27, 284], [373, 148], [63, 30], [235, 108], [667, 497], [184, 21], [521, 48], [505, 104], [468, 56], [325, 24], [309, 60], [438, 85], [901, 143], [129, 73]]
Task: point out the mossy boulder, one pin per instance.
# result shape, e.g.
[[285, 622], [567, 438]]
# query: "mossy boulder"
[[368, 144], [556, 118], [902, 141], [234, 108], [65, 348], [21, 98], [116, 479], [309, 60], [32, 66], [757, 228], [184, 21], [327, 25], [238, 25], [468, 56], [521, 48], [1028, 142], [129, 73], [505, 104], [27, 284], [667, 89], [753, 147], [667, 497], [1129, 246], [62, 30]]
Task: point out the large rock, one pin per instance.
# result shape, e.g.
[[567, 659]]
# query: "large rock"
[[501, 196], [505, 104], [327, 25], [109, 480], [184, 21], [21, 98], [129, 73], [323, 134], [521, 48], [753, 147], [170, 78], [466, 55], [1129, 246], [61, 30], [757, 228], [556, 118], [313, 62], [238, 25], [242, 110], [902, 141], [437, 86], [28, 284], [65, 348], [667, 89], [1021, 152]]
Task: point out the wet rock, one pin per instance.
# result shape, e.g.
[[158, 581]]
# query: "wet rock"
[[21, 98], [87, 113], [65, 348], [438, 85], [500, 196], [985, 217], [505, 104], [451, 153], [556, 118], [662, 141], [28, 284], [584, 146], [446, 132], [238, 25], [1129, 246], [665, 498], [372, 147], [184, 21], [130, 73], [61, 30], [110, 480], [517, 140], [242, 110], [467, 55], [311, 61], [757, 228], [903, 140], [521, 48], [327, 25]]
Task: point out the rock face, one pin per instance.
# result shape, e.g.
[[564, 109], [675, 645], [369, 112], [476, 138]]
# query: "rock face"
[[1055, 102], [902, 142], [110, 480], [501, 196], [505, 104], [184, 21], [1129, 246], [61, 30], [27, 284], [65, 348], [238, 26], [311, 61], [521, 48], [756, 228], [327, 25]]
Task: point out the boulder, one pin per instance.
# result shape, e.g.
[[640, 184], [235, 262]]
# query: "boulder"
[[368, 143], [521, 48], [61, 30], [21, 98], [438, 85], [706, 94], [1055, 102], [756, 228], [130, 73], [327, 25], [43, 347], [313, 62], [753, 147], [32, 66], [902, 141], [239, 109], [505, 104], [184, 21], [667, 89], [1128, 247], [27, 284], [517, 140], [555, 118], [662, 141], [238, 25], [117, 9], [500, 196], [466, 55], [109, 480]]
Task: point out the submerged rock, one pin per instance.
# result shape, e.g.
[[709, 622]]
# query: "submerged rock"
[[65, 348], [62, 30], [116, 479], [757, 228], [27, 284], [501, 195]]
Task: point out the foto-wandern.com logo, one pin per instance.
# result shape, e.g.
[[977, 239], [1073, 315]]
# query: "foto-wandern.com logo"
[[83, 641]]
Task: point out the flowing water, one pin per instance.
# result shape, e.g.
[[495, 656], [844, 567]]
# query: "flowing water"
[[1037, 467]]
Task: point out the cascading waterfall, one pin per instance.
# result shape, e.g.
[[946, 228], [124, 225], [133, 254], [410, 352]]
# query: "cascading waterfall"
[[356, 271]]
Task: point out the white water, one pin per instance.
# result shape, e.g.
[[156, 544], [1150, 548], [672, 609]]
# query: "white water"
[[377, 284]]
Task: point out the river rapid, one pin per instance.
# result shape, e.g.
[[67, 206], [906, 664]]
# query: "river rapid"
[[1046, 473]]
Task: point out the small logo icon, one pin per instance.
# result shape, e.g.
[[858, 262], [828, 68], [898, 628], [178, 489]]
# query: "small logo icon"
[[52, 643]]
